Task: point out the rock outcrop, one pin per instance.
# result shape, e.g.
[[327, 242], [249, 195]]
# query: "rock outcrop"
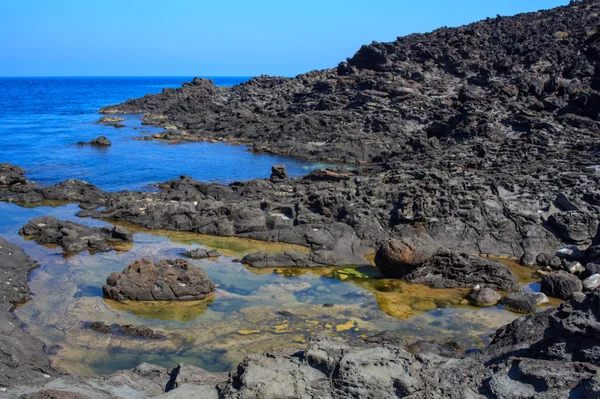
[[419, 259], [167, 280], [100, 141], [74, 237], [22, 357]]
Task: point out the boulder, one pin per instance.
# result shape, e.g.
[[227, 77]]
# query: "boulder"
[[398, 258], [449, 269], [560, 285], [520, 302], [278, 173], [167, 280], [483, 297]]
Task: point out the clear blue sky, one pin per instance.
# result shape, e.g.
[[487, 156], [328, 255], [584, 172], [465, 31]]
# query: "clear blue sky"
[[215, 38]]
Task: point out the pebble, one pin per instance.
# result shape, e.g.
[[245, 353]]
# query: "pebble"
[[540, 298]]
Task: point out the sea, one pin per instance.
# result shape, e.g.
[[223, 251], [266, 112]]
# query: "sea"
[[42, 119]]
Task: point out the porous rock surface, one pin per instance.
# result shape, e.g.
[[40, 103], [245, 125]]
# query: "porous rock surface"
[[167, 280]]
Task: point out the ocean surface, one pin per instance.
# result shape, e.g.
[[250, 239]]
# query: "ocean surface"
[[42, 119]]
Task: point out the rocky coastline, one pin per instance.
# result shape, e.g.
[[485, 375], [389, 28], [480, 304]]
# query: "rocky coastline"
[[478, 140]]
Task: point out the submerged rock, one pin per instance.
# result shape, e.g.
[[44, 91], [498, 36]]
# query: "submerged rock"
[[129, 330], [74, 237], [201, 253], [167, 280], [100, 141]]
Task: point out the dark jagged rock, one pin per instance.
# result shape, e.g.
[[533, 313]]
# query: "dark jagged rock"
[[419, 259], [167, 280], [74, 237], [449, 269], [201, 253], [129, 330], [561, 285], [11, 175], [278, 173], [22, 357], [100, 141], [112, 121]]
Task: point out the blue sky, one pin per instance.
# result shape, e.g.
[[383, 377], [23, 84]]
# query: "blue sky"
[[215, 38]]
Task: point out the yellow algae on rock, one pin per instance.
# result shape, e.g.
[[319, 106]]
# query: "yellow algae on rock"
[[424, 306], [248, 332], [346, 326]]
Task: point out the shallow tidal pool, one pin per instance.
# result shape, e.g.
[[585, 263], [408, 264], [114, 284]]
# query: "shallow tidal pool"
[[252, 310]]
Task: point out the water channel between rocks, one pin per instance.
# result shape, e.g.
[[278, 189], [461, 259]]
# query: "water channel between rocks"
[[252, 311]]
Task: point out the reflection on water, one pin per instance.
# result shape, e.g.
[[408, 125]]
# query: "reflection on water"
[[252, 311]]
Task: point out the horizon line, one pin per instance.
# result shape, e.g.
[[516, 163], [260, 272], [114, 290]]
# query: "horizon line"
[[127, 76]]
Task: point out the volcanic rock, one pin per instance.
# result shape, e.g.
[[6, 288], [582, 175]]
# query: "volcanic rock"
[[100, 141], [167, 280], [520, 302], [74, 237], [560, 285], [483, 297], [201, 253]]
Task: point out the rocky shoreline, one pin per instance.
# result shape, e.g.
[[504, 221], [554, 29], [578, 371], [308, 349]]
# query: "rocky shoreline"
[[553, 353], [481, 139]]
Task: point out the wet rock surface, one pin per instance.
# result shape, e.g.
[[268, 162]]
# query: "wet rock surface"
[[100, 141], [22, 357], [74, 237], [167, 280], [201, 253]]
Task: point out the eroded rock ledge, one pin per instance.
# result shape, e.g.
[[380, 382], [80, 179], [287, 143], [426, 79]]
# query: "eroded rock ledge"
[[74, 237]]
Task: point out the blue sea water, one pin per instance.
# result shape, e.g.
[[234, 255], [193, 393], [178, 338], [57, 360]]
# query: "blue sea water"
[[42, 119]]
